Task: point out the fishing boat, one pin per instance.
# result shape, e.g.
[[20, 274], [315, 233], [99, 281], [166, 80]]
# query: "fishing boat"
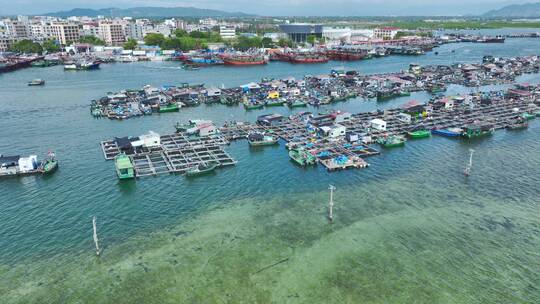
[[244, 59], [19, 166], [261, 139], [124, 166], [519, 123], [391, 141], [302, 157], [419, 134], [43, 63], [171, 107], [82, 65], [274, 103], [253, 105], [528, 116], [202, 168], [49, 165], [450, 132], [478, 130], [36, 82], [297, 104]]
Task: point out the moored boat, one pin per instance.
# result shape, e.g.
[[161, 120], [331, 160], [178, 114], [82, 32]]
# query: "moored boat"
[[261, 139], [201, 168], [391, 141], [297, 104], [450, 132], [302, 157], [49, 165], [19, 166], [36, 82], [518, 124], [419, 134], [478, 130], [274, 102], [244, 59], [171, 107]]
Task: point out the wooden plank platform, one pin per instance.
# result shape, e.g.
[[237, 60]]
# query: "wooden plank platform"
[[177, 153]]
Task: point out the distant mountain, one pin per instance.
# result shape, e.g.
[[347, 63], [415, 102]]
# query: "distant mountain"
[[527, 10], [147, 12]]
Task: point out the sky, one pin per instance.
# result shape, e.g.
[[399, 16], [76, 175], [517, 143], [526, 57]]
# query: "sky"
[[276, 7]]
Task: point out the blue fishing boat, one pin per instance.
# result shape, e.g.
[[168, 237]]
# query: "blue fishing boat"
[[450, 132]]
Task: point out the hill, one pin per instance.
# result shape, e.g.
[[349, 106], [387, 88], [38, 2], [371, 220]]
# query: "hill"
[[147, 12], [527, 10]]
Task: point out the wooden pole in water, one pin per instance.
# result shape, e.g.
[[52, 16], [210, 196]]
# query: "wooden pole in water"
[[95, 235], [467, 171], [331, 203]]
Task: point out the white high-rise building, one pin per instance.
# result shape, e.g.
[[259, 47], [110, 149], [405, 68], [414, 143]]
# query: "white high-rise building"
[[17, 29], [134, 30], [227, 31], [112, 32]]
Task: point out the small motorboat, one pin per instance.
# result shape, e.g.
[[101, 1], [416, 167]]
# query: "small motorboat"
[[201, 168], [36, 82]]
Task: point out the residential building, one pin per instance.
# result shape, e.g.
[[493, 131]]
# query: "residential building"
[[66, 32], [90, 29], [208, 22], [134, 30], [6, 43], [227, 31], [112, 32], [17, 29], [388, 32]]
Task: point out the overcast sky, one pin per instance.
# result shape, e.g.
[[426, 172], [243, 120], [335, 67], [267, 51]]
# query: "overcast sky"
[[276, 7]]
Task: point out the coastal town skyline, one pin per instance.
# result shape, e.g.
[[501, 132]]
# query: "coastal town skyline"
[[275, 7]]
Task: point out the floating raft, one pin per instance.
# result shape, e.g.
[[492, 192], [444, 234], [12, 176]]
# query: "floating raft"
[[176, 154]]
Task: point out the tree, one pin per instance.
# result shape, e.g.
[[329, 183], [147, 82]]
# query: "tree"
[[26, 46], [50, 46], [244, 43], [91, 40], [199, 34], [180, 33], [154, 39], [285, 42], [267, 42], [130, 44], [171, 44], [311, 39]]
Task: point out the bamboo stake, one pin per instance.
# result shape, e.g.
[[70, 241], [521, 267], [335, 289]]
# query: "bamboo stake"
[[95, 236]]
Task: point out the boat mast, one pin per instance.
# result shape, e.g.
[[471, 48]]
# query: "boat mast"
[[467, 171], [331, 203], [95, 235]]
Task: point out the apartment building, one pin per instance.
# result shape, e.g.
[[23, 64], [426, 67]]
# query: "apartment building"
[[66, 32], [227, 31], [112, 32]]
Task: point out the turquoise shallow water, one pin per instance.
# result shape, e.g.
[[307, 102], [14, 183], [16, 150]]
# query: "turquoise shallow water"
[[412, 209]]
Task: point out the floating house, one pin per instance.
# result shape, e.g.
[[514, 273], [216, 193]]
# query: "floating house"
[[378, 124], [332, 131], [270, 119]]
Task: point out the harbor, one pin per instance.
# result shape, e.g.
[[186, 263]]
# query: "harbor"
[[338, 140], [259, 226], [339, 85]]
